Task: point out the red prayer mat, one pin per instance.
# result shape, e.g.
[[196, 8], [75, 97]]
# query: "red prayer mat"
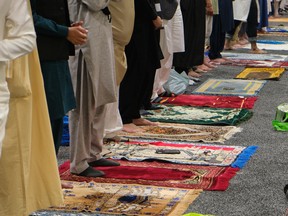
[[211, 101], [160, 174]]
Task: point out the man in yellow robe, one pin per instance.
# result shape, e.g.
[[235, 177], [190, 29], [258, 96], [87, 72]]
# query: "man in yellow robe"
[[29, 178]]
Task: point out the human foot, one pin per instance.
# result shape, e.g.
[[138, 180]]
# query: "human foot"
[[90, 172], [143, 122], [192, 73], [66, 185], [258, 51], [203, 68], [103, 162], [131, 128]]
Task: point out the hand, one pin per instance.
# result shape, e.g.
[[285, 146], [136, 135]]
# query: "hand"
[[158, 23], [77, 35], [209, 10], [78, 23]]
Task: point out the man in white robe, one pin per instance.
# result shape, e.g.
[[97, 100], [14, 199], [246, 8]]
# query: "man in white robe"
[[123, 13], [171, 41], [94, 82], [17, 37]]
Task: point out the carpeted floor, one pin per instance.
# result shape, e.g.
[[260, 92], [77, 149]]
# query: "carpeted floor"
[[257, 189]]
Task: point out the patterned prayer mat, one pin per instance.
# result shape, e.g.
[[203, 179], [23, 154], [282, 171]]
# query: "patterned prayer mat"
[[273, 34], [215, 101], [252, 63], [256, 57], [230, 87], [277, 29], [184, 132], [125, 199], [199, 115], [159, 174], [267, 46], [184, 153], [279, 19], [261, 73]]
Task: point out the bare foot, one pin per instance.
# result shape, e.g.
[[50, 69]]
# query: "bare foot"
[[193, 74], [258, 51], [207, 63], [143, 122], [243, 42], [66, 185], [219, 60], [131, 128], [203, 67]]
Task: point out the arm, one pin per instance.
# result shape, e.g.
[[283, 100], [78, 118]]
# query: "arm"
[[75, 34], [148, 6], [209, 8], [20, 35]]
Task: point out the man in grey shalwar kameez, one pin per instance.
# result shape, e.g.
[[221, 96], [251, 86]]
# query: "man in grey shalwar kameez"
[[93, 75]]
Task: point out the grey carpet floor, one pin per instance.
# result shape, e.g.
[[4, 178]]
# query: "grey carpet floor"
[[257, 189]]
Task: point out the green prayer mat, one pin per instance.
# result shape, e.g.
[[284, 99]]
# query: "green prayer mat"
[[198, 115]]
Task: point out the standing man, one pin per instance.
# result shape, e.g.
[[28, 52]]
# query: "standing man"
[[17, 37], [143, 58], [94, 82], [123, 15], [55, 39]]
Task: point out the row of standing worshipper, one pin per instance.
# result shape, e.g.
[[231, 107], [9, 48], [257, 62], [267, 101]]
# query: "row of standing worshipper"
[[94, 84]]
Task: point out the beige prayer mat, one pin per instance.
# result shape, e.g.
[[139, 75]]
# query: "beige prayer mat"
[[261, 73], [122, 199], [184, 132]]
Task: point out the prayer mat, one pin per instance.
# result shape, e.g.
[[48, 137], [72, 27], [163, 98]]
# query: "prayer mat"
[[211, 101], [257, 57], [270, 42], [230, 87], [279, 19], [181, 153], [277, 29], [284, 65], [184, 132], [122, 199], [266, 46], [261, 73], [273, 34], [252, 63], [200, 177], [198, 115]]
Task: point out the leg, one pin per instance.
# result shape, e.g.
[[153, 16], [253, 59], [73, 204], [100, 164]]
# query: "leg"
[[57, 131]]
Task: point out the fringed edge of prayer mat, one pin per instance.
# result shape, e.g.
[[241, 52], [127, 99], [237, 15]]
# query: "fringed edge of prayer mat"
[[244, 157]]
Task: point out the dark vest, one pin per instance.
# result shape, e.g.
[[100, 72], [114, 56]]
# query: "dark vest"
[[54, 48]]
